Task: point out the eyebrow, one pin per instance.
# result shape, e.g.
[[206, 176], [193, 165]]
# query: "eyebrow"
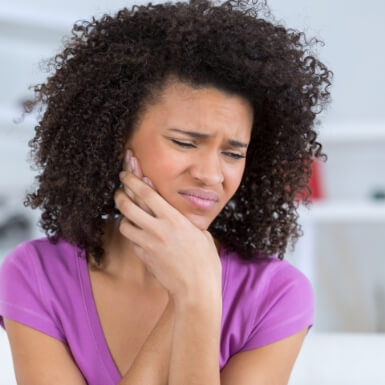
[[199, 135]]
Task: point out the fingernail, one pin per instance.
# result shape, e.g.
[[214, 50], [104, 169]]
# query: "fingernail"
[[122, 174], [132, 164], [128, 156]]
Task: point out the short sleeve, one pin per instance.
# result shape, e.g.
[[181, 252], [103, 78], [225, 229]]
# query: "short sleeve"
[[21, 298], [286, 308]]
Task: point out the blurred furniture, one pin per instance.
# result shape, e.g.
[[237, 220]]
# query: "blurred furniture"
[[342, 250]]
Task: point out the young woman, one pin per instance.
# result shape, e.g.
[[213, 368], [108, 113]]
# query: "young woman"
[[174, 143]]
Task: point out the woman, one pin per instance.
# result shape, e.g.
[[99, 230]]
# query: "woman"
[[174, 144]]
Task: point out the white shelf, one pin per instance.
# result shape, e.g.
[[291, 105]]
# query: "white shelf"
[[352, 132], [350, 212]]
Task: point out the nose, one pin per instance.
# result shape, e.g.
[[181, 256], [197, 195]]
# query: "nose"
[[207, 169]]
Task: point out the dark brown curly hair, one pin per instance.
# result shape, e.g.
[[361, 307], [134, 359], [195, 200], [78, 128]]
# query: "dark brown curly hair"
[[112, 68]]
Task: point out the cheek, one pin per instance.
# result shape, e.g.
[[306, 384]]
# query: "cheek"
[[233, 178], [162, 166]]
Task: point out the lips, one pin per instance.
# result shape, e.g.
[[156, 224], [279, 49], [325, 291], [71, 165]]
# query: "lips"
[[202, 194]]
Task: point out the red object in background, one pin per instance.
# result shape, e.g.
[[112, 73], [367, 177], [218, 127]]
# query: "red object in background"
[[314, 183]]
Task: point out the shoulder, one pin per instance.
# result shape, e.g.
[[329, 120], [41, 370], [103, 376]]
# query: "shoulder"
[[37, 279], [40, 255], [272, 299], [268, 276], [39, 273]]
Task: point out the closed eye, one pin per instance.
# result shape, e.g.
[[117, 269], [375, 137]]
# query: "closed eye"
[[190, 145]]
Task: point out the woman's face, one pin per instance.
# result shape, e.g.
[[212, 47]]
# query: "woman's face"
[[212, 163]]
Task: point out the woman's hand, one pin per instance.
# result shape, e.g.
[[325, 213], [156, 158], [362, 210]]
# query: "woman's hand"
[[182, 257], [130, 164]]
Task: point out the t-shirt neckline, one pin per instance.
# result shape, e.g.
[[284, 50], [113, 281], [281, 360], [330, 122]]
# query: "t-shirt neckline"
[[95, 325]]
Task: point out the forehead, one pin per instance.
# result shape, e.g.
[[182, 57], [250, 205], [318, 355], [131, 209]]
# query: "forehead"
[[205, 109]]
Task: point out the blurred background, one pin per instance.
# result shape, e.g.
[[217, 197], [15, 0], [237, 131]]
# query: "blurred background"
[[343, 247]]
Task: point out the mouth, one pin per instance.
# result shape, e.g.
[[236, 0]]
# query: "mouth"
[[199, 202]]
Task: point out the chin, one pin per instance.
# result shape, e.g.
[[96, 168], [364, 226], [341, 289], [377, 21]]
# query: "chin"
[[199, 221]]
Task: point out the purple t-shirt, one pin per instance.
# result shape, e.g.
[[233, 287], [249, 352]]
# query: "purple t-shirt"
[[48, 288]]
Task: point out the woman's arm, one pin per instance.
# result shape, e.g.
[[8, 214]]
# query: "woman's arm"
[[189, 332], [40, 359], [271, 364], [151, 365], [196, 342]]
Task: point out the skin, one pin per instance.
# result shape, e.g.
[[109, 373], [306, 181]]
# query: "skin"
[[211, 165]]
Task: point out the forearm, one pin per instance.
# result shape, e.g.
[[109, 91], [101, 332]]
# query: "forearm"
[[151, 365], [196, 344]]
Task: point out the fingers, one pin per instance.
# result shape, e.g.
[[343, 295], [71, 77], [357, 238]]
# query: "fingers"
[[126, 167], [154, 201], [144, 194], [131, 232], [131, 164], [139, 173], [132, 212]]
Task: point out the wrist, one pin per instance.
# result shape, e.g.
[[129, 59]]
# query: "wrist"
[[200, 300]]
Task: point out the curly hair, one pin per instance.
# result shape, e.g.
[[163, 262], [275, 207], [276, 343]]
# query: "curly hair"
[[112, 68]]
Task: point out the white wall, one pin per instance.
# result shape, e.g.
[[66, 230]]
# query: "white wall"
[[352, 30], [354, 34]]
